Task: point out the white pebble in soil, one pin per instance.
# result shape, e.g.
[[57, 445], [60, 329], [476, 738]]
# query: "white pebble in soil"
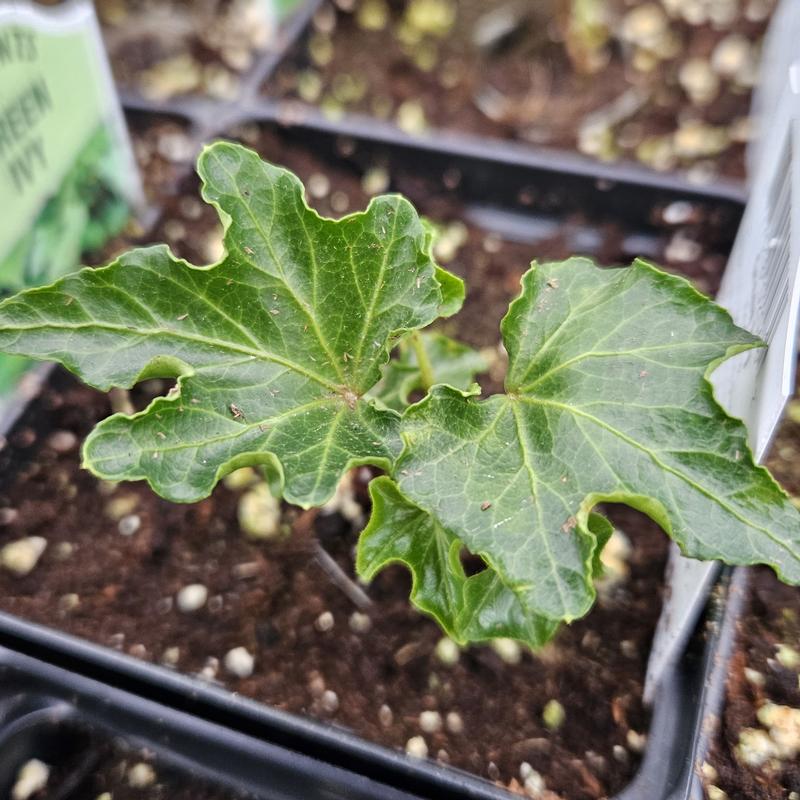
[[681, 249], [447, 651], [430, 721], [699, 81], [129, 524], [385, 716], [68, 602], [210, 669], [534, 785], [141, 776], [316, 685], [329, 701], [22, 555], [359, 623], [553, 715], [191, 598], [678, 213], [324, 622], [508, 650], [344, 501], [787, 656], [732, 56], [417, 747], [454, 722], [239, 662], [636, 741], [62, 441], [259, 513], [31, 779], [63, 550], [8, 515]]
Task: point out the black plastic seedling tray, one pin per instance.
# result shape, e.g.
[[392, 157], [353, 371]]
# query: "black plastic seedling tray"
[[242, 743], [63, 718]]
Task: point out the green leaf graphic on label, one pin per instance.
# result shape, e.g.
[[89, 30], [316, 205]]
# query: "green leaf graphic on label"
[[274, 347], [607, 400]]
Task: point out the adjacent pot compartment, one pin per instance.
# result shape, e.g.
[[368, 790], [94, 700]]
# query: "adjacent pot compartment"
[[478, 71], [194, 59], [95, 738], [115, 553], [755, 741]]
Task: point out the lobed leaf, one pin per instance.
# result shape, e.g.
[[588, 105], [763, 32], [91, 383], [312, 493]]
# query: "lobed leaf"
[[274, 347], [607, 400], [471, 608]]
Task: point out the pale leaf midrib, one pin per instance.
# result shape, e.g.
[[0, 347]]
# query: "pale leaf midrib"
[[235, 433], [636, 351], [267, 241], [666, 467]]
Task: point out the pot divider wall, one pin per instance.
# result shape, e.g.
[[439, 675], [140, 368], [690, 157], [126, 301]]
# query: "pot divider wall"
[[208, 112], [67, 720], [312, 754]]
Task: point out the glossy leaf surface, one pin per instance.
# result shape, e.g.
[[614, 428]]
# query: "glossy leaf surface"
[[274, 347], [606, 400]]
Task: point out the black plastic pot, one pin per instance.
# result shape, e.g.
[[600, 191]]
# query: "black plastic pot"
[[241, 743]]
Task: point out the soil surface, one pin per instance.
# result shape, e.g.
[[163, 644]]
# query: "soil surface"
[[765, 668], [663, 83], [117, 555]]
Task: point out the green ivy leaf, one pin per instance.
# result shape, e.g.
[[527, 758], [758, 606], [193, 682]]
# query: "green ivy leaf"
[[607, 400], [469, 609], [274, 347], [452, 362]]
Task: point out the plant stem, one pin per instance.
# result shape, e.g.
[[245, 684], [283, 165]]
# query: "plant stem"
[[423, 362], [304, 528], [341, 579]]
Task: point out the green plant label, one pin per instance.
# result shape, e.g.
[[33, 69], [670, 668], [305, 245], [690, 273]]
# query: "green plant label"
[[283, 8], [67, 175]]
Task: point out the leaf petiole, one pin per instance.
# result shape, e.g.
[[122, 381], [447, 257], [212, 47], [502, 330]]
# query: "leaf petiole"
[[423, 362]]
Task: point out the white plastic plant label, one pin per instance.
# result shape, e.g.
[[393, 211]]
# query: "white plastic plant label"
[[761, 289], [67, 175]]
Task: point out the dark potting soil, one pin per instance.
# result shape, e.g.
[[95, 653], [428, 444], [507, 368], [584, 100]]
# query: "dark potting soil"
[[526, 87], [119, 590], [762, 670]]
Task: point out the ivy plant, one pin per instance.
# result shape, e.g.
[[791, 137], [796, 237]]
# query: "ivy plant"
[[301, 350]]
